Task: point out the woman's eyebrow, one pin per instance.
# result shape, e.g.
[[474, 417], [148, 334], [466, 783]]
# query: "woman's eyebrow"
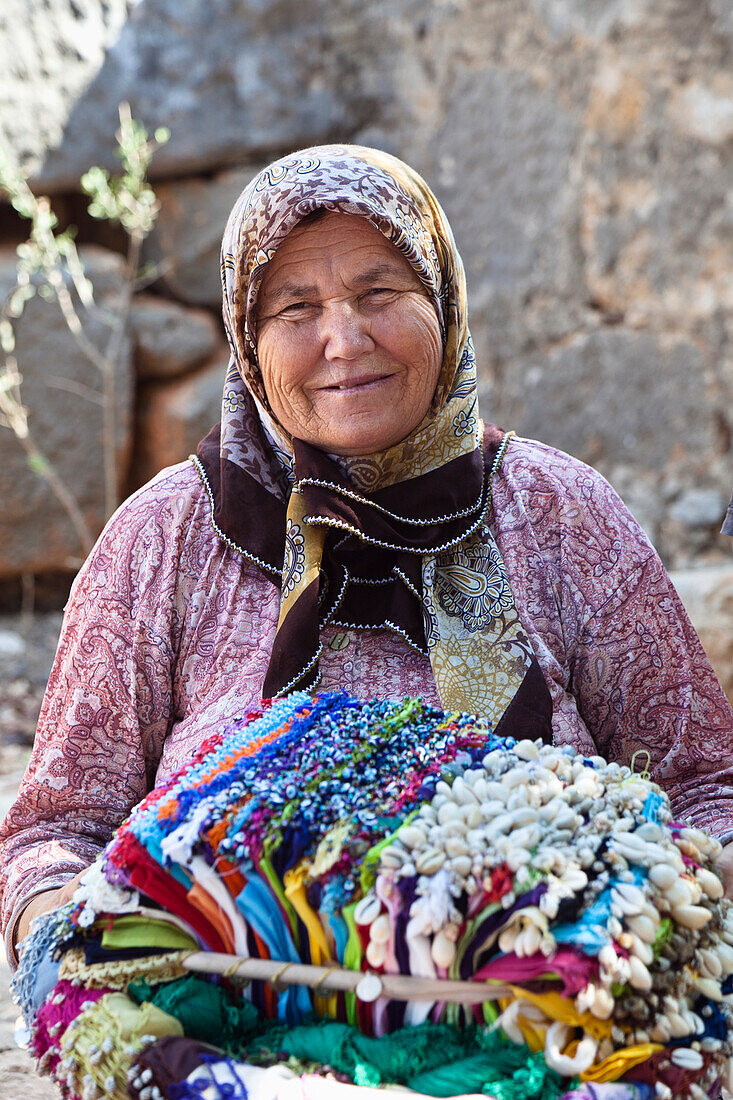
[[378, 271], [289, 291]]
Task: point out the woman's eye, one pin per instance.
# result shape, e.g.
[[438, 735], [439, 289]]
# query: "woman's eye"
[[379, 293], [295, 309]]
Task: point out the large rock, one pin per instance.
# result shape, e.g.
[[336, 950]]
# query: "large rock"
[[615, 396], [186, 241], [632, 405], [173, 417], [707, 594], [231, 80], [169, 339], [62, 391]]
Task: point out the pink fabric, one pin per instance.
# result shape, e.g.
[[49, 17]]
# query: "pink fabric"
[[168, 633], [53, 1019]]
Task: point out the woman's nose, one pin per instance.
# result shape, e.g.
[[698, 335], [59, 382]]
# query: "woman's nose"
[[345, 332]]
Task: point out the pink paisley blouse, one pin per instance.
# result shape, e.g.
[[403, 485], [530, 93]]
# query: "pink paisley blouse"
[[168, 633]]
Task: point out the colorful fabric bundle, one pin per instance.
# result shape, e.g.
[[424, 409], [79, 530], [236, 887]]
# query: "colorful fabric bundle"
[[558, 931]]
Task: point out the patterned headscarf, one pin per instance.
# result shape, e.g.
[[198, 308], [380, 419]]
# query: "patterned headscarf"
[[398, 539]]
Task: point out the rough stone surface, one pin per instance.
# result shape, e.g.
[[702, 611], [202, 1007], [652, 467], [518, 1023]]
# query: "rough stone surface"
[[61, 390], [173, 418], [171, 340], [631, 404], [708, 596], [187, 238], [229, 79]]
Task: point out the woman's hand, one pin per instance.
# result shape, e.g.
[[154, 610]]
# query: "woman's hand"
[[44, 903], [725, 866]]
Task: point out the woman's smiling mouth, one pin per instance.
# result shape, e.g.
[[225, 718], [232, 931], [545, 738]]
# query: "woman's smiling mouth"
[[358, 384]]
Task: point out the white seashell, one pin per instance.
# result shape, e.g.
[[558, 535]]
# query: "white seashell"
[[709, 963], [456, 846], [650, 831], [661, 1033], [557, 1038], [455, 827], [663, 875], [640, 977], [496, 756], [531, 940], [442, 950], [430, 861], [686, 1058], [507, 939], [476, 839], [724, 953], [678, 1026], [461, 866], [643, 927], [392, 857], [603, 1003], [566, 818], [412, 836], [379, 930], [473, 816], [376, 953], [709, 987], [526, 750], [709, 883], [697, 1027], [519, 798], [691, 916], [448, 812], [367, 910], [503, 823], [443, 788], [492, 809], [706, 843], [628, 898], [639, 948], [526, 837], [481, 789], [515, 777], [428, 813], [525, 815], [516, 858], [496, 790], [462, 793]]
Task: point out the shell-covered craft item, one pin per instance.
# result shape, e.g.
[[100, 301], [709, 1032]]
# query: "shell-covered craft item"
[[395, 839]]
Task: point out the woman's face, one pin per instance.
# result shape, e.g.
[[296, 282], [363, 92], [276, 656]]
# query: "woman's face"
[[348, 342]]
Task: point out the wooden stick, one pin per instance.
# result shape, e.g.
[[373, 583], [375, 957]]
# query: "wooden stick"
[[367, 986]]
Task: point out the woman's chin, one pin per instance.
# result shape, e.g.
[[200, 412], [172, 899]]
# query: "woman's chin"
[[360, 432]]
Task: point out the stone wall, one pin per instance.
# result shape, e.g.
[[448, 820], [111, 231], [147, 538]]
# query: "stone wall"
[[582, 149]]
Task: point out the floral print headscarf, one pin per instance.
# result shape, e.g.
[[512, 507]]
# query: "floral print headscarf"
[[398, 539]]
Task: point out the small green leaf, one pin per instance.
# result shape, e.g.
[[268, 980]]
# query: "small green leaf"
[[39, 464]]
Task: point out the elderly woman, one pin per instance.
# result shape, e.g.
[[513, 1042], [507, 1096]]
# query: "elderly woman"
[[353, 524]]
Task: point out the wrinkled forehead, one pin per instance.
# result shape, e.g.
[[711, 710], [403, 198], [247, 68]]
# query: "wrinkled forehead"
[[329, 178]]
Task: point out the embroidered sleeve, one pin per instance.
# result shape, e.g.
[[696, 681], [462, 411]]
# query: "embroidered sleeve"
[[108, 703]]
